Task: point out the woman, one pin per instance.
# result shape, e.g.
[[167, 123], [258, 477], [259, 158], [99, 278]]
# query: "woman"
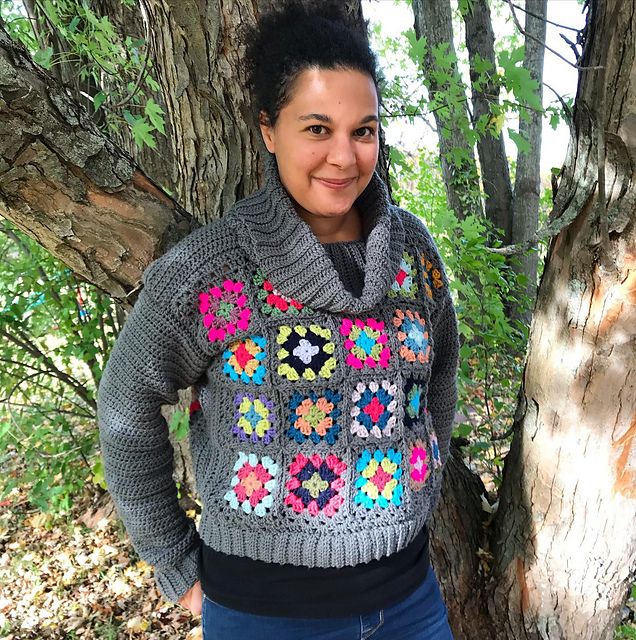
[[315, 322]]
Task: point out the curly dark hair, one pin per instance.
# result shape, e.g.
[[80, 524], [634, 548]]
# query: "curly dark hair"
[[292, 39]]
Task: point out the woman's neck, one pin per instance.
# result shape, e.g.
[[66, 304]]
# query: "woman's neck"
[[338, 229]]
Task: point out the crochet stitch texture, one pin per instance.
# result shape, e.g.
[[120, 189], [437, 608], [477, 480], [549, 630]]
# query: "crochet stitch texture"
[[324, 418]]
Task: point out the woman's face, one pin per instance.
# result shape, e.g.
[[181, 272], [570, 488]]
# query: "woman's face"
[[326, 140]]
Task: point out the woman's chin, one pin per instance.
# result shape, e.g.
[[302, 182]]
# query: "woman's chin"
[[334, 209]]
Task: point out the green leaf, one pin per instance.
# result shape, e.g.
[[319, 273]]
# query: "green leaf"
[[180, 424], [98, 100], [155, 113], [555, 118], [464, 430], [141, 131], [465, 7], [442, 55], [43, 57], [151, 83], [523, 146], [518, 79], [98, 474], [417, 46], [130, 118], [481, 65]]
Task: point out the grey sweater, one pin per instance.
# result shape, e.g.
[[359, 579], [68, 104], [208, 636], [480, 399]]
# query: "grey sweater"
[[325, 407]]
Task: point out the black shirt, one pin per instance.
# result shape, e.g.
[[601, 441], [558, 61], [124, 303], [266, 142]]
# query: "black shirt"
[[286, 590]]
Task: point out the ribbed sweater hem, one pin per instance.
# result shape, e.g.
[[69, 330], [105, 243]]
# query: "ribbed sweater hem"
[[305, 549]]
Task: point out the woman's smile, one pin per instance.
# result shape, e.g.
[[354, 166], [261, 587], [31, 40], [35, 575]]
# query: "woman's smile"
[[332, 183]]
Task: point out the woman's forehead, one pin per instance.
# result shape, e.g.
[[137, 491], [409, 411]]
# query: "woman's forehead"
[[329, 92]]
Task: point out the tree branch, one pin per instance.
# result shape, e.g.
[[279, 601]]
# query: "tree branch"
[[559, 97], [534, 15], [49, 411], [70, 188], [543, 44], [546, 232], [24, 341], [140, 77]]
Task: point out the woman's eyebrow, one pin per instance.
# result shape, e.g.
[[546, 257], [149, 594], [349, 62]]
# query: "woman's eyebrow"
[[321, 117], [315, 116]]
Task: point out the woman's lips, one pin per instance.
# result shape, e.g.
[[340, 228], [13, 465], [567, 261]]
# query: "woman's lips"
[[336, 184]]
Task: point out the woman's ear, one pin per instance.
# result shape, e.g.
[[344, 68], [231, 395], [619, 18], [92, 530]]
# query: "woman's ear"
[[267, 131]]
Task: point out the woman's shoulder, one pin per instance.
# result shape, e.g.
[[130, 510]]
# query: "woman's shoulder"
[[425, 254], [211, 248], [415, 230]]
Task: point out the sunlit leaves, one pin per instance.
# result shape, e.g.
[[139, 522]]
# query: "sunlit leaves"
[[516, 79], [522, 144], [179, 424], [52, 350], [417, 46], [116, 64], [155, 115], [141, 130], [43, 57]]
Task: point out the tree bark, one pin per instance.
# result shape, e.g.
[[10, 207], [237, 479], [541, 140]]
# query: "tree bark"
[[493, 163], [527, 192], [565, 532], [197, 54], [459, 550], [433, 21]]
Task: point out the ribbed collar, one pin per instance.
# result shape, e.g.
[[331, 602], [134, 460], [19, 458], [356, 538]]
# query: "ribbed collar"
[[291, 256]]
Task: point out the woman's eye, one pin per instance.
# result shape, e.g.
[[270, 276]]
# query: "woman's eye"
[[365, 132], [316, 128]]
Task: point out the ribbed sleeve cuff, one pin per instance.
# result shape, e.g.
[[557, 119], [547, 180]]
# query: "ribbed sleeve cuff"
[[176, 580]]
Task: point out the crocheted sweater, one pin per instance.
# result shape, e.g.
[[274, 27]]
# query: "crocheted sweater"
[[324, 419]]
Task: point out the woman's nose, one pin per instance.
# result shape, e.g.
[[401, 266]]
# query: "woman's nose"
[[342, 152]]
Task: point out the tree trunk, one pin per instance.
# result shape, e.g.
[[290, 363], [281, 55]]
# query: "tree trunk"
[[525, 204], [493, 163], [459, 550], [565, 532], [433, 21], [197, 55]]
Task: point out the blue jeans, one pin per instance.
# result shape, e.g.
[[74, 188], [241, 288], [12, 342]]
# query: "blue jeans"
[[420, 616]]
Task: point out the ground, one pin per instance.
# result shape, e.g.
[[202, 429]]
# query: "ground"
[[77, 577]]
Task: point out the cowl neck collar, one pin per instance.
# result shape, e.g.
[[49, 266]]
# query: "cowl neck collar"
[[292, 257]]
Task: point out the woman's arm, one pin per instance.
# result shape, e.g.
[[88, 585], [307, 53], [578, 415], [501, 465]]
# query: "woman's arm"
[[154, 356], [442, 394]]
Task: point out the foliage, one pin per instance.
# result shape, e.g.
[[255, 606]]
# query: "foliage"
[[493, 346], [179, 424], [112, 71], [56, 335]]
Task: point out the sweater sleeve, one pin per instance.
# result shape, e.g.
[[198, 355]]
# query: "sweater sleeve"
[[442, 395], [153, 357]]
